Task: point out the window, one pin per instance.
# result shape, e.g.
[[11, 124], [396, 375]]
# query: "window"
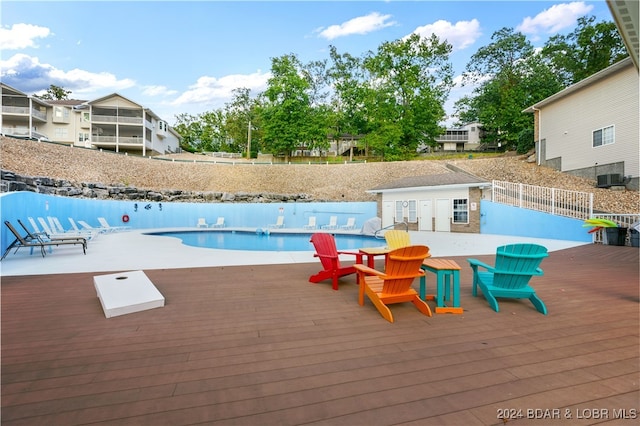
[[86, 117], [83, 137], [461, 210], [413, 211], [399, 211], [61, 133], [604, 136]]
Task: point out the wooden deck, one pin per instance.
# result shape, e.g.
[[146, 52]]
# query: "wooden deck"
[[262, 346]]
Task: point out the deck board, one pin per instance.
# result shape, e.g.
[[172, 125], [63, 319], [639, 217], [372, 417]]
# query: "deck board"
[[261, 345]]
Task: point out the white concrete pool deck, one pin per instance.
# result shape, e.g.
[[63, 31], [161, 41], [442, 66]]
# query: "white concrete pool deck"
[[133, 250]]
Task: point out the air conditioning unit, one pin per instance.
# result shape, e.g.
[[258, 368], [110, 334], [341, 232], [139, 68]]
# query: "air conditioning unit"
[[605, 181]]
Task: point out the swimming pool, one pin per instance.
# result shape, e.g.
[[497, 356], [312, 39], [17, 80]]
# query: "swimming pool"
[[257, 241]]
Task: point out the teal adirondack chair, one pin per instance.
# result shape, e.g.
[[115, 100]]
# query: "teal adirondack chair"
[[509, 278]]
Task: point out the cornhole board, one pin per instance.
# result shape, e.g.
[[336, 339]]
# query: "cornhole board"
[[126, 292]]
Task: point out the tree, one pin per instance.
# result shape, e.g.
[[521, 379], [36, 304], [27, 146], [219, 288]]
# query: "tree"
[[241, 114], [55, 93], [511, 77], [410, 81], [286, 112], [589, 48]]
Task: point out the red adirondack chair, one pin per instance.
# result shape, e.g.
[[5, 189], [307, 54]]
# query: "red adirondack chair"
[[326, 251]]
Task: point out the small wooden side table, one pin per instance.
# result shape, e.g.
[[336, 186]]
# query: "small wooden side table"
[[447, 275]]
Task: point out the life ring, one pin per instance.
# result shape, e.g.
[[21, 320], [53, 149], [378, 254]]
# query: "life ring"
[[125, 218]]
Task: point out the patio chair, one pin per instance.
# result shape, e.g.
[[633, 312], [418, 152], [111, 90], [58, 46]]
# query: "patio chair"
[[219, 223], [108, 228], [350, 225], [397, 239], [326, 251], [42, 236], [279, 223], [21, 242], [515, 265], [87, 233], [394, 285], [333, 223], [311, 224]]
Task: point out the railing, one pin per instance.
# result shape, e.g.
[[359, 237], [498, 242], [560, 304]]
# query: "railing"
[[556, 201], [116, 119], [375, 234]]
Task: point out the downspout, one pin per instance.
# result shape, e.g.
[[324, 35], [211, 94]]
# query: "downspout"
[[539, 115]]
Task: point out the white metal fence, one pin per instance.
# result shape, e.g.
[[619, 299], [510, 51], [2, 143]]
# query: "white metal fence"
[[561, 202], [556, 201]]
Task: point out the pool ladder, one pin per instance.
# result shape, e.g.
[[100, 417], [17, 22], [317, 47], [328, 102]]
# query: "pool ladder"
[[381, 237]]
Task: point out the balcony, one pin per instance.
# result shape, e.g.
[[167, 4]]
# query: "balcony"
[[116, 119]]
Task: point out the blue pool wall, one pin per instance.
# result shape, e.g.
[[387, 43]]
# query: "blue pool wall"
[[145, 215], [500, 219], [495, 218]]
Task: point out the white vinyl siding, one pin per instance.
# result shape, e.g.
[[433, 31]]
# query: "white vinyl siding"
[[568, 123]]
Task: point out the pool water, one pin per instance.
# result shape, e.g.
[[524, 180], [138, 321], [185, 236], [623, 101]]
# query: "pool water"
[[257, 241]]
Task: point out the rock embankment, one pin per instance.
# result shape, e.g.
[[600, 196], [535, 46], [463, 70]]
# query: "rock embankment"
[[201, 177]]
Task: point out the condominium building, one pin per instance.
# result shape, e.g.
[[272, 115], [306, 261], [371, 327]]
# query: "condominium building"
[[112, 123]]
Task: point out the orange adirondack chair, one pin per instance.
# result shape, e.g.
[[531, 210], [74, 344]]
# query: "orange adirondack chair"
[[326, 251], [394, 285]]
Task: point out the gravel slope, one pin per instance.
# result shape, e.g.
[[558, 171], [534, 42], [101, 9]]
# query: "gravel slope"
[[341, 182]]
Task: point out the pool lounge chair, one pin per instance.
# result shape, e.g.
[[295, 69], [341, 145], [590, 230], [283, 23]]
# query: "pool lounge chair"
[[279, 223], [44, 237], [311, 224], [202, 223], [350, 225], [105, 225], [49, 234], [83, 232], [333, 223], [219, 223], [21, 242]]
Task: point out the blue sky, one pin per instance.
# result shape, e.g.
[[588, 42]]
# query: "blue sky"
[[188, 56]]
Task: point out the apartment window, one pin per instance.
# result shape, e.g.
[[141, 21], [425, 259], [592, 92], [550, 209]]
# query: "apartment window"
[[86, 117], [61, 133], [461, 210], [413, 211], [83, 137], [399, 211], [604, 136]]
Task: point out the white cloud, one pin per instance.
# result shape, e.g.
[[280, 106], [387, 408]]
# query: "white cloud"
[[460, 35], [22, 36], [158, 91], [554, 19], [360, 25], [27, 74], [214, 92]]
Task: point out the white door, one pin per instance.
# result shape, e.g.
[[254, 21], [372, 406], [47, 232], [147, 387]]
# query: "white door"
[[443, 216], [387, 213], [426, 216]]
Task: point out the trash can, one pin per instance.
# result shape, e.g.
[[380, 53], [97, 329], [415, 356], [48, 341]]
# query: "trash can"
[[616, 236], [634, 238]]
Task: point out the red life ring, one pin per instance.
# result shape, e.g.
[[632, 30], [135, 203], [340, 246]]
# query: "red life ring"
[[125, 218]]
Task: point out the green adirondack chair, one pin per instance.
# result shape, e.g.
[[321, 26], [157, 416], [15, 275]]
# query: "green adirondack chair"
[[514, 266]]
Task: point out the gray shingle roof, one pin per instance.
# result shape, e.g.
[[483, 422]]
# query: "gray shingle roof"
[[453, 178]]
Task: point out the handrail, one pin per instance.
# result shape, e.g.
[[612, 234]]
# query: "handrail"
[[406, 228]]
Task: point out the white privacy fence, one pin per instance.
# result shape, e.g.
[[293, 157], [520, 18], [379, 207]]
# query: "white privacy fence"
[[556, 201]]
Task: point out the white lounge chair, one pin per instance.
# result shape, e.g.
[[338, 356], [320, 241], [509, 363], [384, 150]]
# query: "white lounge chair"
[[333, 223], [351, 224], [85, 232], [311, 224], [219, 223], [202, 223], [57, 227], [105, 225], [279, 223]]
